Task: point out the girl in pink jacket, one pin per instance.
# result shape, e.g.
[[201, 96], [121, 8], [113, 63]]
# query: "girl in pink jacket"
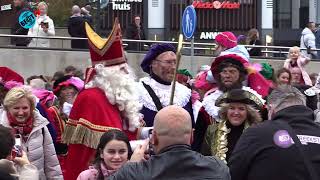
[[296, 60], [113, 152]]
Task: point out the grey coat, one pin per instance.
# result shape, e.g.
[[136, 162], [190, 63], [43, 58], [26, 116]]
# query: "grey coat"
[[39, 147]]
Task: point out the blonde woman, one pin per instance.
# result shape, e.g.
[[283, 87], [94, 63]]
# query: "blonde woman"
[[237, 113], [20, 115], [43, 27]]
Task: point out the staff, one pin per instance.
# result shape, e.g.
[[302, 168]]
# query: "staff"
[[177, 67]]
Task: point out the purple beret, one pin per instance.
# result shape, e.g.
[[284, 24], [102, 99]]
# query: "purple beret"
[[153, 53]]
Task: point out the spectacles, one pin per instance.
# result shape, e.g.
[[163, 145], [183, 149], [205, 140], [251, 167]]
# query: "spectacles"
[[167, 62]]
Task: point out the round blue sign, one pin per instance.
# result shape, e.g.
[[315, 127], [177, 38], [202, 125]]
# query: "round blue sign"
[[189, 21], [27, 19]]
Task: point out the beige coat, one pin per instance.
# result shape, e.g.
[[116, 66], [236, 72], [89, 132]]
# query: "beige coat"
[[39, 147], [26, 172]]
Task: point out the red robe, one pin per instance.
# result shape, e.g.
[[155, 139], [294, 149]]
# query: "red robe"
[[59, 125], [91, 116]]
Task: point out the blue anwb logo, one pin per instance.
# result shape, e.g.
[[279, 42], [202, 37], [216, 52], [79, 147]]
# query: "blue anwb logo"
[[27, 19]]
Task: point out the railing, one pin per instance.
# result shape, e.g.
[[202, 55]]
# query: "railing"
[[199, 48]]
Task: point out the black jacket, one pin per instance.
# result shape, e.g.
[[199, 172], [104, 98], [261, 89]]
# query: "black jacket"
[[256, 155], [134, 33], [176, 162], [76, 28], [255, 51], [17, 29]]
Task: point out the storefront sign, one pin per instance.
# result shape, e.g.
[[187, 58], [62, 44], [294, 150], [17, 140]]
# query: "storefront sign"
[[216, 5], [6, 7], [123, 5], [208, 35]]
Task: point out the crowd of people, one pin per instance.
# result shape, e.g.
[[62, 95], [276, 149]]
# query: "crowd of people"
[[44, 25], [233, 120]]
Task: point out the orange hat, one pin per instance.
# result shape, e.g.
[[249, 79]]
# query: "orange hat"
[[108, 52]]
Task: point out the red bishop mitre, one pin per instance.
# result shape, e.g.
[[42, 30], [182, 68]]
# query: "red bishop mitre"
[[108, 52]]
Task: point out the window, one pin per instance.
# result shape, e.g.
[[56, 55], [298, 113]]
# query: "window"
[[282, 14]]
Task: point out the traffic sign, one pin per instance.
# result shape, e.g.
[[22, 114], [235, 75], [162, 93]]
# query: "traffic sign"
[[189, 21]]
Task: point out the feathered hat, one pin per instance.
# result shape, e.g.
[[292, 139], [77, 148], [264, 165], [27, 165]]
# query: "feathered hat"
[[245, 96], [255, 80]]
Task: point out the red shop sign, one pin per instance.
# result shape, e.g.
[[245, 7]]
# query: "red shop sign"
[[216, 5]]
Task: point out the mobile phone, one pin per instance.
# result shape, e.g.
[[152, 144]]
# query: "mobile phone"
[[151, 148], [17, 148]]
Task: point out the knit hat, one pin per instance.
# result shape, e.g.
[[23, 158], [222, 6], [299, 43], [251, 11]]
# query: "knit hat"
[[267, 71], [153, 53], [184, 72], [183, 76], [226, 39]]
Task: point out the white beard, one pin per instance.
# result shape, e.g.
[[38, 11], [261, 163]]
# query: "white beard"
[[121, 90]]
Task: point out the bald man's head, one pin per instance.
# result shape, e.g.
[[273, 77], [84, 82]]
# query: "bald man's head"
[[172, 125], [76, 9]]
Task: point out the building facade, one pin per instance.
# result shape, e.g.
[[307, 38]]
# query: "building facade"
[[282, 20]]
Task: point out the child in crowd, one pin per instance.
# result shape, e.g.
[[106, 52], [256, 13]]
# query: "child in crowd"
[[296, 60], [113, 152]]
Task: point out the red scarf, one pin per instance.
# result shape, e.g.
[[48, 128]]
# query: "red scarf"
[[23, 128]]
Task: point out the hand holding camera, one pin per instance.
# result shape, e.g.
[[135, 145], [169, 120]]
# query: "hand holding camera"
[[23, 160], [140, 148], [17, 148], [18, 155]]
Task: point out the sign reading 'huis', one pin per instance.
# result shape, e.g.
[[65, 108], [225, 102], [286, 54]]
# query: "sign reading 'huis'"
[[216, 5]]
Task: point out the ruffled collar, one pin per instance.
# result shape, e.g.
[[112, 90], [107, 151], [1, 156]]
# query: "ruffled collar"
[[181, 97], [209, 104]]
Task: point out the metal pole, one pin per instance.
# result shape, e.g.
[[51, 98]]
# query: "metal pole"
[[192, 55], [173, 87], [98, 17]]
